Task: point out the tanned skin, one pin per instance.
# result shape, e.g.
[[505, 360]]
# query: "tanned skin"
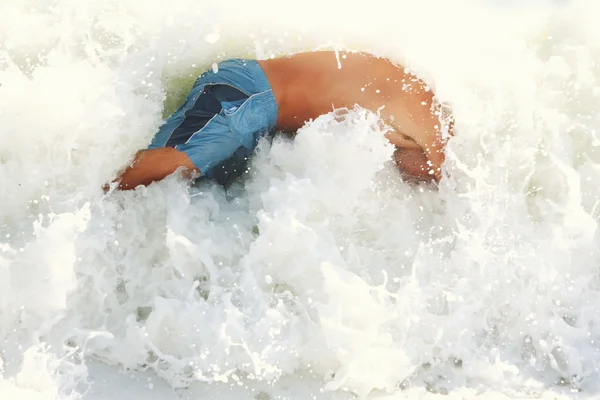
[[307, 85]]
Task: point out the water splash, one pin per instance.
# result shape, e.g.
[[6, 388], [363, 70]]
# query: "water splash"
[[322, 262]]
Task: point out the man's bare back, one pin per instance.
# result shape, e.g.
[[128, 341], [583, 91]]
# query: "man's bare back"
[[297, 89]]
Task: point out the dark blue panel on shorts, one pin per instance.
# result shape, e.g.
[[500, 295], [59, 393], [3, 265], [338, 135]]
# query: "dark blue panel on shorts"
[[227, 93], [202, 110]]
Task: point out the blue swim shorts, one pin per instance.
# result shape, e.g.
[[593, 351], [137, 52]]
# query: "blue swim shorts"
[[220, 122]]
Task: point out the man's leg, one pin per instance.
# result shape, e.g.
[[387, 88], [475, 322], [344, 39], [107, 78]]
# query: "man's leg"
[[154, 165]]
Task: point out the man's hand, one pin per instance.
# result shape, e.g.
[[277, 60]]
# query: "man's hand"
[[413, 164]]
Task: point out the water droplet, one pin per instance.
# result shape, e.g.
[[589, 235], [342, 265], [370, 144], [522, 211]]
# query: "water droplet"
[[212, 38]]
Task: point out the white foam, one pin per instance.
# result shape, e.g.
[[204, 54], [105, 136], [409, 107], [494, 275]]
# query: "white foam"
[[323, 263]]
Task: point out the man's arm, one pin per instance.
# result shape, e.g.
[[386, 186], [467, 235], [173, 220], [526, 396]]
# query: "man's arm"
[[401, 141], [154, 165], [411, 112]]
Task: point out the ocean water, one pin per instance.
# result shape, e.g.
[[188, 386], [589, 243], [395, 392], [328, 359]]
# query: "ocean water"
[[321, 273]]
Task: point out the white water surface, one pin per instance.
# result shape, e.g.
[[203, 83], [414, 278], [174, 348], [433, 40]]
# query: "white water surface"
[[321, 274]]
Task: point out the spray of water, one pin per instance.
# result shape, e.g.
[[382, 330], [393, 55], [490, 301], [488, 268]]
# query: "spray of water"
[[321, 262]]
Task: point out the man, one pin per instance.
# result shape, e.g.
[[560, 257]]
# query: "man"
[[231, 106]]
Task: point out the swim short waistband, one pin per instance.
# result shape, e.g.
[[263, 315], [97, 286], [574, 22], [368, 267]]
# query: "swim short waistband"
[[257, 72]]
